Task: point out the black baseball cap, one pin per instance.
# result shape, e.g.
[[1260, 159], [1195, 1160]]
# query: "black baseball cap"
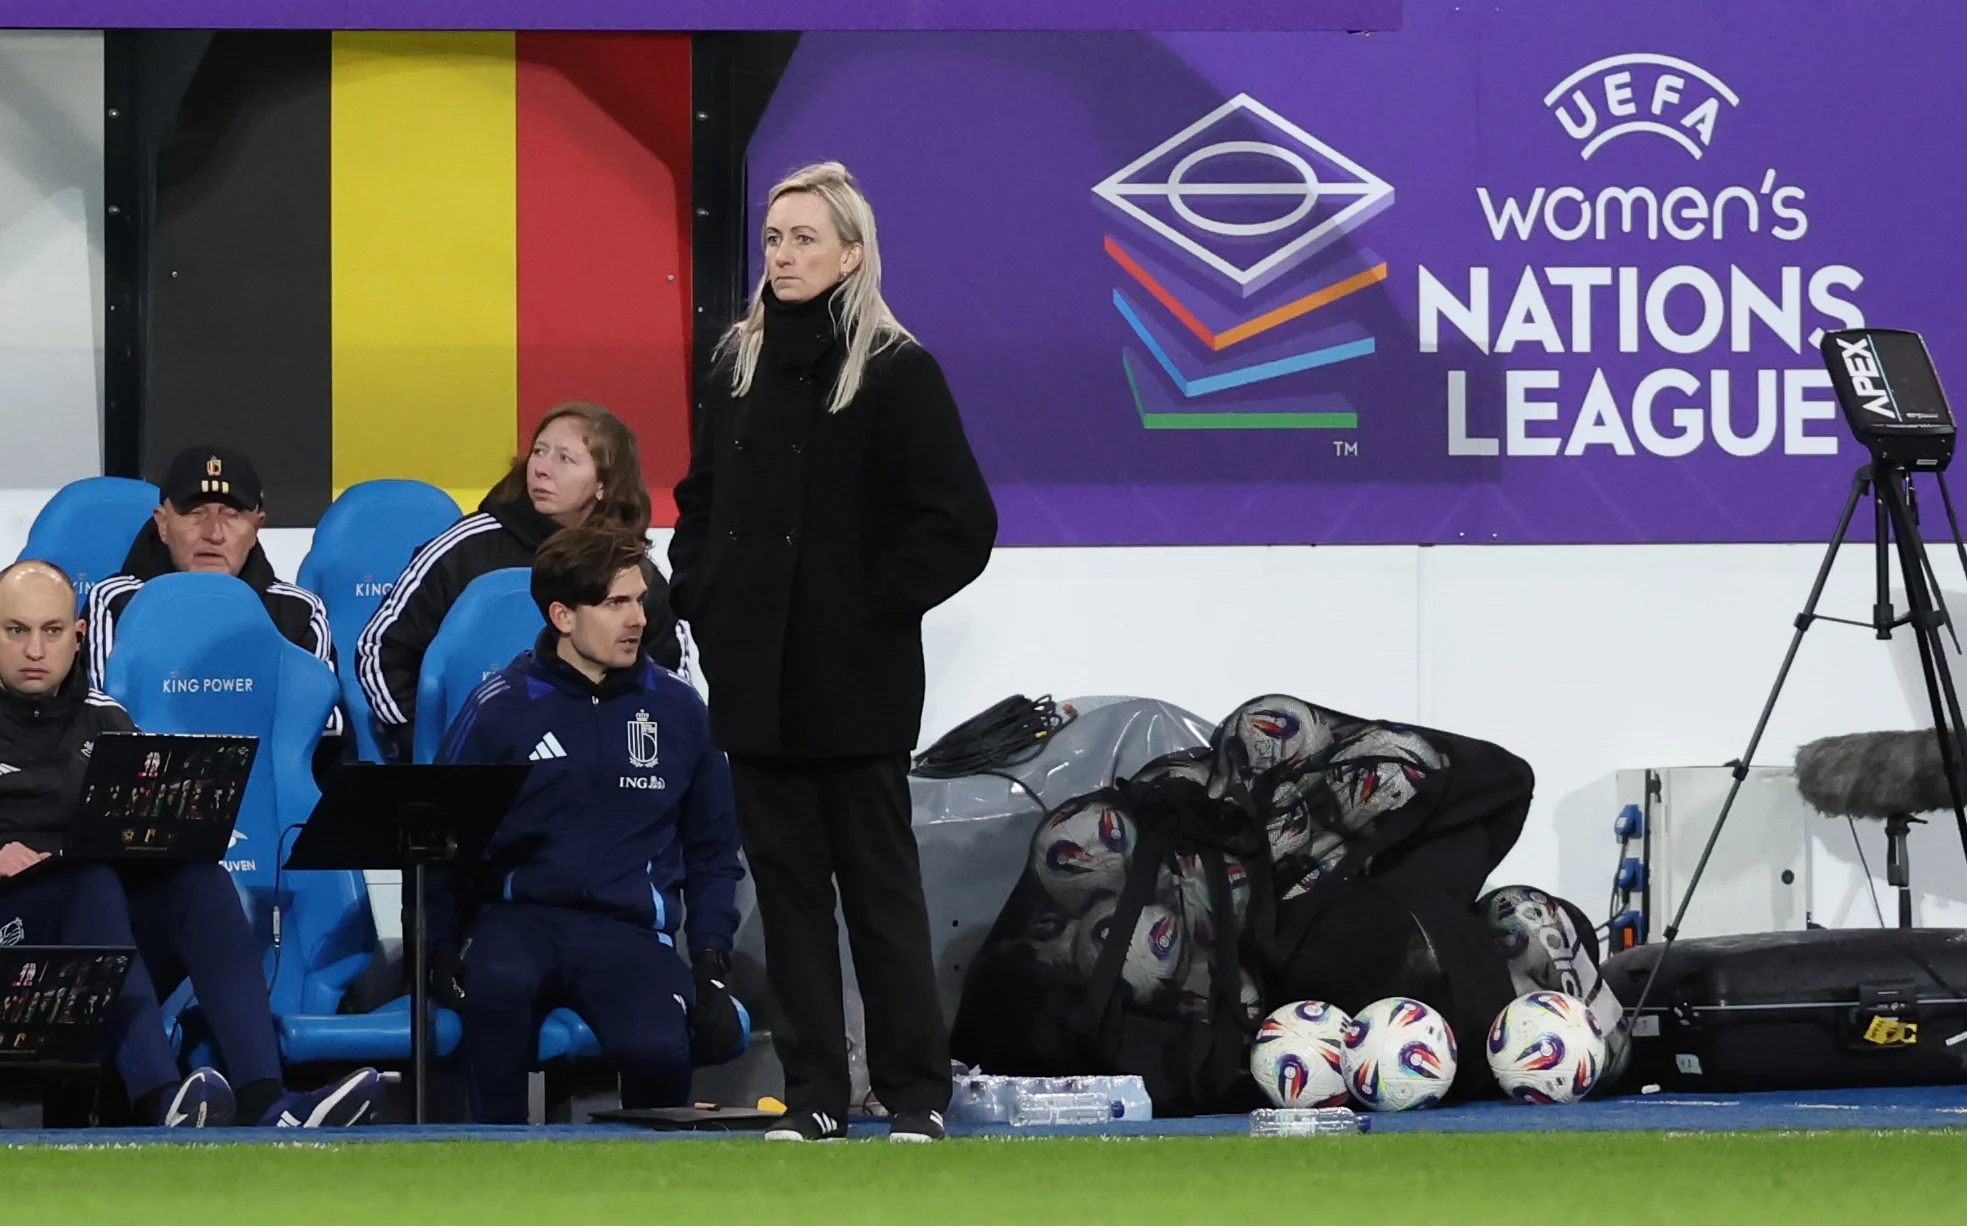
[[207, 473]]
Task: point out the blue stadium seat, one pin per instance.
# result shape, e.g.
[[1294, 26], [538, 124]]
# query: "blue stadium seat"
[[197, 653], [361, 545], [351, 1038], [88, 526], [493, 620], [564, 1036]]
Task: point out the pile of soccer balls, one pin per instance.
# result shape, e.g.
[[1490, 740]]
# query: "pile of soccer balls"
[[1398, 1054], [1080, 855]]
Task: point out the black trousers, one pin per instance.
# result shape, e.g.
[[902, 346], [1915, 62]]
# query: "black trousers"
[[807, 823]]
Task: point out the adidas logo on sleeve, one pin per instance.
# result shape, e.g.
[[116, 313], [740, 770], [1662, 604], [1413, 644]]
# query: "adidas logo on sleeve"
[[548, 748]]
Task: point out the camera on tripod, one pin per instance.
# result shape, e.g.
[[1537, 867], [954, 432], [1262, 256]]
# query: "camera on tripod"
[[1892, 398]]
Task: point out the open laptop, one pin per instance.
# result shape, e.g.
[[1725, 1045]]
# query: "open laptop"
[[161, 796], [54, 1001]]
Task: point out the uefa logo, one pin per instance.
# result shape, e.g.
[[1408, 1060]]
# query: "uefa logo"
[[1640, 93], [1236, 235]]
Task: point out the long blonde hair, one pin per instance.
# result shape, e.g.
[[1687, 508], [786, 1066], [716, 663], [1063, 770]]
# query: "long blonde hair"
[[859, 310]]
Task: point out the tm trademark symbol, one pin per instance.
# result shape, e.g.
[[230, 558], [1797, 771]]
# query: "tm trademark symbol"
[[1344, 448]]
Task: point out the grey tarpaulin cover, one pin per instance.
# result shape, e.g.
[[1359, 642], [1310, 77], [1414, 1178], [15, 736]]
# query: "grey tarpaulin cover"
[[974, 832]]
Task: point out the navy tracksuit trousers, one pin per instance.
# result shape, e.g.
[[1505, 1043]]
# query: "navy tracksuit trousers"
[[625, 981], [186, 922]]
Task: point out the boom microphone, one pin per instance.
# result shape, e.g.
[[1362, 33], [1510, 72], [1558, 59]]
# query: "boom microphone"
[[1873, 774]]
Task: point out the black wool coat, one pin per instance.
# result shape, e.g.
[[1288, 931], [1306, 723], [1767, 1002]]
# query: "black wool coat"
[[809, 544]]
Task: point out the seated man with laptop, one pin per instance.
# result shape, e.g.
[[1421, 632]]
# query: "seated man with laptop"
[[182, 915]]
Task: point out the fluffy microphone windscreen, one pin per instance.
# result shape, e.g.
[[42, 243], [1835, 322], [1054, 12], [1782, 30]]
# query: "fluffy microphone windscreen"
[[1873, 774]]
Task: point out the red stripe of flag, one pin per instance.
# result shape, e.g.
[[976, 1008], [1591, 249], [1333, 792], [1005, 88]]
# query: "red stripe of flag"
[[603, 132]]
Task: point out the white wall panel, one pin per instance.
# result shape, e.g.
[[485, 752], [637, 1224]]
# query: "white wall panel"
[[51, 256], [1584, 660]]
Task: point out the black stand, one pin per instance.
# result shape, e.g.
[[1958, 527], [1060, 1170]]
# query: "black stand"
[[408, 818], [1898, 871], [1897, 529]]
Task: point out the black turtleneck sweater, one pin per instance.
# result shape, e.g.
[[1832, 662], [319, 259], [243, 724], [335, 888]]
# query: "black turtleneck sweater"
[[44, 751], [389, 655], [809, 544]]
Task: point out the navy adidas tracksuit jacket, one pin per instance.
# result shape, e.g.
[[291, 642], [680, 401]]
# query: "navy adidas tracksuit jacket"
[[624, 832], [628, 811]]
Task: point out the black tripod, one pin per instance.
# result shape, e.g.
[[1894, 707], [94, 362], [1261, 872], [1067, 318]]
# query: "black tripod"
[[1896, 513]]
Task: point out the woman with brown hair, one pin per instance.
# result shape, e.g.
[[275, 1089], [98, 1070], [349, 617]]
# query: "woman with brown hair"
[[583, 469]]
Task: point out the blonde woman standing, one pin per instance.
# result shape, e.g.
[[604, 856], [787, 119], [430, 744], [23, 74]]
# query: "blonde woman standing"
[[832, 500]]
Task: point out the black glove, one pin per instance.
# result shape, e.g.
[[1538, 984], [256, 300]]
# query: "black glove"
[[716, 1031]]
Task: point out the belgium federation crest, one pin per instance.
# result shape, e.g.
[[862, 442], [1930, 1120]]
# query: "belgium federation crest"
[[642, 740]]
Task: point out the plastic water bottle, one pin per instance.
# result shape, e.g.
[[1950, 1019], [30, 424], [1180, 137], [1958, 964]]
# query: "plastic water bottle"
[[975, 1098], [1127, 1095], [1031, 1106], [1308, 1122], [979, 1098], [1130, 1097]]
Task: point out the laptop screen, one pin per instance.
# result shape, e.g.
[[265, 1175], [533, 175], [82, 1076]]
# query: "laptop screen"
[[54, 1001], [154, 789]]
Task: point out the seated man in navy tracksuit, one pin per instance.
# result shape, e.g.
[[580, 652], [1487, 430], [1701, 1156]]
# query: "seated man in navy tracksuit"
[[626, 821]]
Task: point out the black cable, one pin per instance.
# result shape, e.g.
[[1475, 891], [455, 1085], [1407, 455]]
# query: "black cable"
[[1866, 866], [279, 873], [1010, 733]]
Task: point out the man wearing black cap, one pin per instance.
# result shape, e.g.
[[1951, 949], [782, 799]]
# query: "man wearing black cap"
[[209, 520]]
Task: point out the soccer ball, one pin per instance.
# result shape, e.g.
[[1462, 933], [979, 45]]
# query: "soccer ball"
[[1545, 1048], [1052, 938], [1081, 851], [1289, 832], [1399, 1054], [1193, 1000], [1364, 792], [1155, 951], [1299, 1055], [1531, 931], [1175, 766], [1192, 889]]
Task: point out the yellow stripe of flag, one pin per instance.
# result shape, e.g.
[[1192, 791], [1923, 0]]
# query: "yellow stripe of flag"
[[425, 258]]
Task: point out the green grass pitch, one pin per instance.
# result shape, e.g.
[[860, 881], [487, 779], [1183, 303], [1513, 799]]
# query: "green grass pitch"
[[1788, 1178]]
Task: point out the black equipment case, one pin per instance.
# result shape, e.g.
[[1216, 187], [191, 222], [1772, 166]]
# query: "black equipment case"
[[1814, 1010]]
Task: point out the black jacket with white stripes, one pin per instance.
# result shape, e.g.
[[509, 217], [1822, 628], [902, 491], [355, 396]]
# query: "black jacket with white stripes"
[[389, 655], [298, 613], [44, 752]]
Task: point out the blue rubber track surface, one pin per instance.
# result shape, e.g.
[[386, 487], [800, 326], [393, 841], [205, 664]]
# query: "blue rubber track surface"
[[1934, 1107]]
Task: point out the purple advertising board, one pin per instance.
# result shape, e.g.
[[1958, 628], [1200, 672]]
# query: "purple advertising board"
[[704, 14], [1524, 271]]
